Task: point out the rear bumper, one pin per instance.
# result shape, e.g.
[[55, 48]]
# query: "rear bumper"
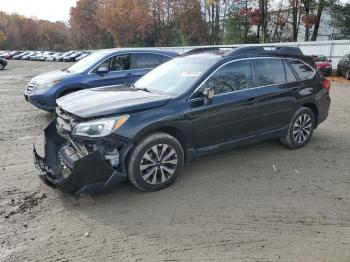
[[85, 175], [323, 105]]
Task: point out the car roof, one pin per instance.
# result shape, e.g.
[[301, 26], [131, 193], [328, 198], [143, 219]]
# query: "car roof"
[[251, 52], [135, 50]]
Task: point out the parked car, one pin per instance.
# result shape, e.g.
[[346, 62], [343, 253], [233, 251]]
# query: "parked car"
[[53, 56], [101, 68], [43, 55], [324, 65], [72, 57], [343, 68], [188, 107], [85, 54], [27, 56], [60, 58], [11, 54], [20, 55], [3, 63]]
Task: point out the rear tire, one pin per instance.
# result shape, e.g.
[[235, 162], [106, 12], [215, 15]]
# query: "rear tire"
[[347, 75], [300, 129], [338, 72], [155, 162]]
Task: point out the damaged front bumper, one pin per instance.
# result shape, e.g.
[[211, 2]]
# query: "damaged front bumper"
[[73, 173]]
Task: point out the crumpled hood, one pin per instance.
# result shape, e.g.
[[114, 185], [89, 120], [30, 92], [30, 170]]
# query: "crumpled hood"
[[51, 76], [110, 100]]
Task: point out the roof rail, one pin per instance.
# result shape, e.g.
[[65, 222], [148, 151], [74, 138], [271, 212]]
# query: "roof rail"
[[215, 49], [262, 50]]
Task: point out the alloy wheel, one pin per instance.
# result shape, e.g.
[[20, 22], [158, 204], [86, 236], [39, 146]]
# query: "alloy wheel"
[[302, 128], [158, 164]]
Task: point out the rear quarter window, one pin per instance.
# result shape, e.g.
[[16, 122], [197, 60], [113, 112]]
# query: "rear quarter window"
[[303, 70], [269, 71], [148, 60]]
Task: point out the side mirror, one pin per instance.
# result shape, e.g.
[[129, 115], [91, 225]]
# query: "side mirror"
[[330, 61], [102, 70], [208, 94]]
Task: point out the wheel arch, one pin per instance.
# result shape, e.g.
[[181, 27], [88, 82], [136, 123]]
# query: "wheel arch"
[[174, 131], [67, 90], [314, 110]]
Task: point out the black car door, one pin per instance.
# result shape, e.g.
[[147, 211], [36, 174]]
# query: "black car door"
[[232, 113], [275, 98], [279, 90]]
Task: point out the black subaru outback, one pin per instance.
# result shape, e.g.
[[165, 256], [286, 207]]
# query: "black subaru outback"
[[193, 105]]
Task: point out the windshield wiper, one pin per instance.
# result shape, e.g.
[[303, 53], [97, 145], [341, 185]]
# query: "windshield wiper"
[[65, 70], [144, 89], [139, 88]]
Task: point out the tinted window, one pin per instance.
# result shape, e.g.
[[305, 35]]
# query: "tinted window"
[[269, 71], [231, 77], [117, 63], [289, 73], [302, 70], [145, 60]]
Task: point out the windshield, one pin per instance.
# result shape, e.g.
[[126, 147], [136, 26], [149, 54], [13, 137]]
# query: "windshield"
[[85, 63], [321, 59], [176, 76]]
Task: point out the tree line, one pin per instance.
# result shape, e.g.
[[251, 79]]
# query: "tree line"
[[113, 23]]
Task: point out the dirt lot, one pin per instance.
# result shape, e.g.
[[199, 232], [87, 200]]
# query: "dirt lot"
[[228, 206]]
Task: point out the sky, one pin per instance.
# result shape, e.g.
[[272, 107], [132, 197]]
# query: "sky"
[[52, 10]]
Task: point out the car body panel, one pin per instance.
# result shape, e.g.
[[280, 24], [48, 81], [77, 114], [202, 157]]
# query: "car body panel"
[[113, 100], [343, 67], [68, 82], [201, 126]]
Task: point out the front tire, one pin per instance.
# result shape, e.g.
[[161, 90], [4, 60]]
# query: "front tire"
[[2, 66], [300, 129], [347, 75], [155, 162]]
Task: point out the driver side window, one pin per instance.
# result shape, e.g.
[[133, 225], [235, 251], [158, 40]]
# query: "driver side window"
[[234, 76], [117, 63]]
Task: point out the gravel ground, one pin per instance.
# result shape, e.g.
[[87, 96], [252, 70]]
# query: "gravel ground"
[[224, 207]]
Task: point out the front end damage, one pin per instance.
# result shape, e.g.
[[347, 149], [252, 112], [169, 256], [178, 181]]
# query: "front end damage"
[[78, 166]]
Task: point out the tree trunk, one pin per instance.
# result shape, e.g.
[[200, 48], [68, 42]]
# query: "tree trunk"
[[307, 17], [295, 11], [318, 19], [246, 22]]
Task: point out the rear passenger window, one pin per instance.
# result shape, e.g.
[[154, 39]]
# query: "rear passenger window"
[[289, 73], [269, 71], [231, 77], [144, 60], [303, 71]]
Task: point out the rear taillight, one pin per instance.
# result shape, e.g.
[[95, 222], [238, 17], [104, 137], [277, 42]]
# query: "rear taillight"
[[326, 84]]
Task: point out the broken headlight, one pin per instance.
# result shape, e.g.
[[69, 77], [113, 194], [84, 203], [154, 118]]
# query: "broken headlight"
[[100, 127]]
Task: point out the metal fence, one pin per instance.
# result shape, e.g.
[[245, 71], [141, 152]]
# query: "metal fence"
[[334, 49]]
